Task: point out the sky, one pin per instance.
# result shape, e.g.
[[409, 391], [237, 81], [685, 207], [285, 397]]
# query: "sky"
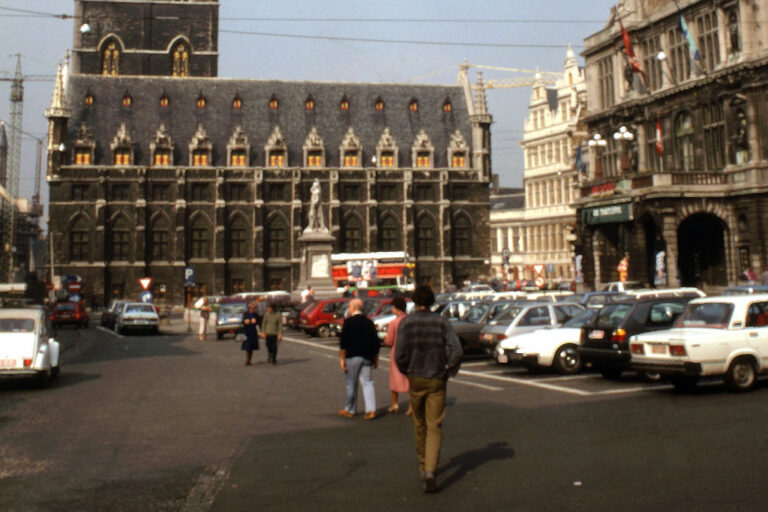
[[343, 40]]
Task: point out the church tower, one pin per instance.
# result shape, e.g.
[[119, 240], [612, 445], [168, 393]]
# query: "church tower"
[[3, 155], [146, 37]]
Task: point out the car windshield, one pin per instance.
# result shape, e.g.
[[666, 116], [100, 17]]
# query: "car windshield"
[[17, 325], [371, 307], [612, 315], [233, 309], [64, 307], [714, 315], [581, 318], [139, 308], [507, 315], [386, 310], [476, 313]]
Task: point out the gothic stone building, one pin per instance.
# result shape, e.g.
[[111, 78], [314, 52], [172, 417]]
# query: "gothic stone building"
[[155, 164], [680, 179]]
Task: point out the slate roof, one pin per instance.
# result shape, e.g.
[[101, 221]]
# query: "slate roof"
[[508, 202], [181, 117]]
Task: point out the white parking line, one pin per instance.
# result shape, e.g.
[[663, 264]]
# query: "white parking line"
[[110, 331]]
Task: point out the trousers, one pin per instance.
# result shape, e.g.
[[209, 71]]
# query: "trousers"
[[359, 368], [428, 404]]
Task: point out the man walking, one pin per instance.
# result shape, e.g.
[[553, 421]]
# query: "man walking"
[[358, 355], [428, 352]]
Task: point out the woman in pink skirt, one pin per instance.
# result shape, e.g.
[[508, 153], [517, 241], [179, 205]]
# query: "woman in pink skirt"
[[398, 382]]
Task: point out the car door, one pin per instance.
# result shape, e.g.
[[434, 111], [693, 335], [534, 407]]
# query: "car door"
[[756, 329], [534, 318]]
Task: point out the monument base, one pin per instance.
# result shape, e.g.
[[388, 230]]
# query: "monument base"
[[316, 266]]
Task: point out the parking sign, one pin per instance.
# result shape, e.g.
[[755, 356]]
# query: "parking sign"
[[189, 276]]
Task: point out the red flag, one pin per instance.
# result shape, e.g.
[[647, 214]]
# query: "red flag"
[[634, 62], [659, 140]]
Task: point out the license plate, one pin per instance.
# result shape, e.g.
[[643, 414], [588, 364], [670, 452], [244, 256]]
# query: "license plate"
[[7, 363], [596, 334], [488, 337], [658, 349], [503, 359]]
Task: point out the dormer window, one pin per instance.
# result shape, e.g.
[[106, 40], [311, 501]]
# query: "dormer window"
[[447, 107], [459, 160], [387, 159], [200, 148], [83, 146], [164, 101], [200, 158], [314, 159], [88, 100], [379, 105], [277, 159], [386, 150], [82, 156], [238, 148], [237, 158], [423, 159], [458, 151], [201, 101], [162, 157], [350, 149], [127, 100], [273, 103], [122, 147], [309, 104], [237, 103], [276, 149], [422, 151], [413, 106], [123, 156], [344, 105], [161, 148], [314, 150]]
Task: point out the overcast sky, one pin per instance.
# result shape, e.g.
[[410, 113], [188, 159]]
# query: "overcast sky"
[[506, 33]]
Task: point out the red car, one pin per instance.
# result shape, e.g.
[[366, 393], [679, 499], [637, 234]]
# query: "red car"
[[317, 319], [373, 306], [69, 313]]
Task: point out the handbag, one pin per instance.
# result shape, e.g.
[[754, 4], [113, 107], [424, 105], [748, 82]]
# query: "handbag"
[[239, 337]]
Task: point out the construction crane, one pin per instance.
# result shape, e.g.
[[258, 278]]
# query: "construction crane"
[[14, 163]]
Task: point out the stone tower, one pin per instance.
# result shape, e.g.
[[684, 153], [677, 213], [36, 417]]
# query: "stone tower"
[[3, 155]]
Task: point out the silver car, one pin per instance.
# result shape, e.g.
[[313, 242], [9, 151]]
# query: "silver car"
[[137, 316], [523, 319], [28, 348]]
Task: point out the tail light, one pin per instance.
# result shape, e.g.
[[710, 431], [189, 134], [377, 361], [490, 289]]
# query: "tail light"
[[77, 315], [500, 337], [677, 350], [52, 317], [619, 335], [27, 363], [637, 348]]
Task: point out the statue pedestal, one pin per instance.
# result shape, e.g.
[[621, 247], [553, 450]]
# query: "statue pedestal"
[[316, 266]]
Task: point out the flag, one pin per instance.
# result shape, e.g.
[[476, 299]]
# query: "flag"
[[629, 53], [659, 140], [693, 50], [578, 163]]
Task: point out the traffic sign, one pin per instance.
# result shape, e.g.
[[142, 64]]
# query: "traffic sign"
[[75, 297], [145, 283], [189, 276], [146, 296], [73, 287], [539, 282], [538, 268]]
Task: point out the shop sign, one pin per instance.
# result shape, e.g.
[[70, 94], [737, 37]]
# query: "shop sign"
[[606, 214]]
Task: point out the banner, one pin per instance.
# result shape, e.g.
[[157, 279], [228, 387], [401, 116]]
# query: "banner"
[[660, 274]]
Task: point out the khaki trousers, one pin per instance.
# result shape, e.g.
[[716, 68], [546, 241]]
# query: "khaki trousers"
[[428, 403]]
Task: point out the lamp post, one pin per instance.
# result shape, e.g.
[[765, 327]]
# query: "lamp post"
[[662, 57], [595, 143], [624, 137]]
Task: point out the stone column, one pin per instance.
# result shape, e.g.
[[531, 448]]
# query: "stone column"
[[642, 146], [669, 231]]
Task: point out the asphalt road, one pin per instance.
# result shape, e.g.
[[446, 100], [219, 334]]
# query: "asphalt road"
[[168, 423]]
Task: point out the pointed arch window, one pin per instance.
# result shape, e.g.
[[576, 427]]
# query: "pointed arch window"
[[161, 239], [352, 235], [425, 236], [423, 151], [200, 148], [238, 237], [122, 147], [276, 149], [79, 241], [110, 59], [462, 236], [314, 150], [277, 238], [350, 149], [386, 150], [180, 60], [84, 146], [238, 148], [161, 148], [121, 239], [389, 234], [200, 238]]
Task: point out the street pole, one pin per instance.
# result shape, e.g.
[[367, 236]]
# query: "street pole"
[[189, 311]]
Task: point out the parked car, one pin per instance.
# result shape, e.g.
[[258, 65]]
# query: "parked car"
[[229, 318], [109, 313], [317, 319], [593, 299], [28, 348], [454, 309], [69, 313], [137, 316], [468, 327], [621, 286], [746, 289], [385, 317], [716, 336], [551, 347], [372, 307], [522, 318], [605, 339]]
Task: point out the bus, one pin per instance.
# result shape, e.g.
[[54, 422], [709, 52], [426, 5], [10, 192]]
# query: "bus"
[[373, 270]]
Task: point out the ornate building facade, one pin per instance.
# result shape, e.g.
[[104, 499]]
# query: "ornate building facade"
[[156, 164], [679, 183]]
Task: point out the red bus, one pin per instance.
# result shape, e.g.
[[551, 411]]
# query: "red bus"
[[373, 269]]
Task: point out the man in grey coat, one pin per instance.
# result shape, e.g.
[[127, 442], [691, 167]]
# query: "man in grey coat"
[[428, 352]]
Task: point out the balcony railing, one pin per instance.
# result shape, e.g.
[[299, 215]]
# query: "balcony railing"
[[627, 183]]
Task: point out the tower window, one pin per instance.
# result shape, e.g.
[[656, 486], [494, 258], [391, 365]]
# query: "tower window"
[[110, 60], [180, 66]]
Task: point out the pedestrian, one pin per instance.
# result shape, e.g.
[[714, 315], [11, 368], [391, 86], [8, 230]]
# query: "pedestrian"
[[358, 356], [623, 268], [307, 293], [398, 383], [347, 291], [750, 275], [272, 331], [250, 324], [205, 312], [428, 352]]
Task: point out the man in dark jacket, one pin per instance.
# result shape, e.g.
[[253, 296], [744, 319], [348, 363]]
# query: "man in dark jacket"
[[358, 355], [428, 352]]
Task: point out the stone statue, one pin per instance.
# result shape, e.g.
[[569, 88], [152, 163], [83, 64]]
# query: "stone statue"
[[316, 221]]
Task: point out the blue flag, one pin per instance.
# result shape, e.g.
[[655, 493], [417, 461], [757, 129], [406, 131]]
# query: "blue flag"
[[578, 162], [693, 50]]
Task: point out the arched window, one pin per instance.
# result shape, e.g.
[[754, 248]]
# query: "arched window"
[[238, 231], [200, 238], [161, 239], [110, 59], [389, 234], [352, 235], [121, 239], [276, 243], [684, 141], [180, 62], [79, 240], [462, 236], [733, 30], [425, 236]]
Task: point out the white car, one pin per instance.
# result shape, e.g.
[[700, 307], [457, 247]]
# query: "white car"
[[27, 348], [137, 316], [715, 336], [550, 347]]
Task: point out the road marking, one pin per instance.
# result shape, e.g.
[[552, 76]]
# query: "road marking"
[[110, 331], [531, 383]]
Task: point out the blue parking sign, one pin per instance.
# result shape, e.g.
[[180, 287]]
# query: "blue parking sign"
[[146, 296], [189, 276]]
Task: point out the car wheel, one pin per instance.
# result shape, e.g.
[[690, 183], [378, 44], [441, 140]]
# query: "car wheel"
[[567, 360], [650, 376], [684, 383], [219, 335], [611, 373], [155, 331], [323, 331], [741, 375]]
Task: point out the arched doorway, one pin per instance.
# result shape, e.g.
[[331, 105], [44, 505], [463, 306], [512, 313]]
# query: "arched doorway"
[[701, 260]]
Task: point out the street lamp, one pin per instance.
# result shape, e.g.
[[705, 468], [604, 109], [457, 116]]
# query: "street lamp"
[[662, 57], [596, 142], [624, 136]]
